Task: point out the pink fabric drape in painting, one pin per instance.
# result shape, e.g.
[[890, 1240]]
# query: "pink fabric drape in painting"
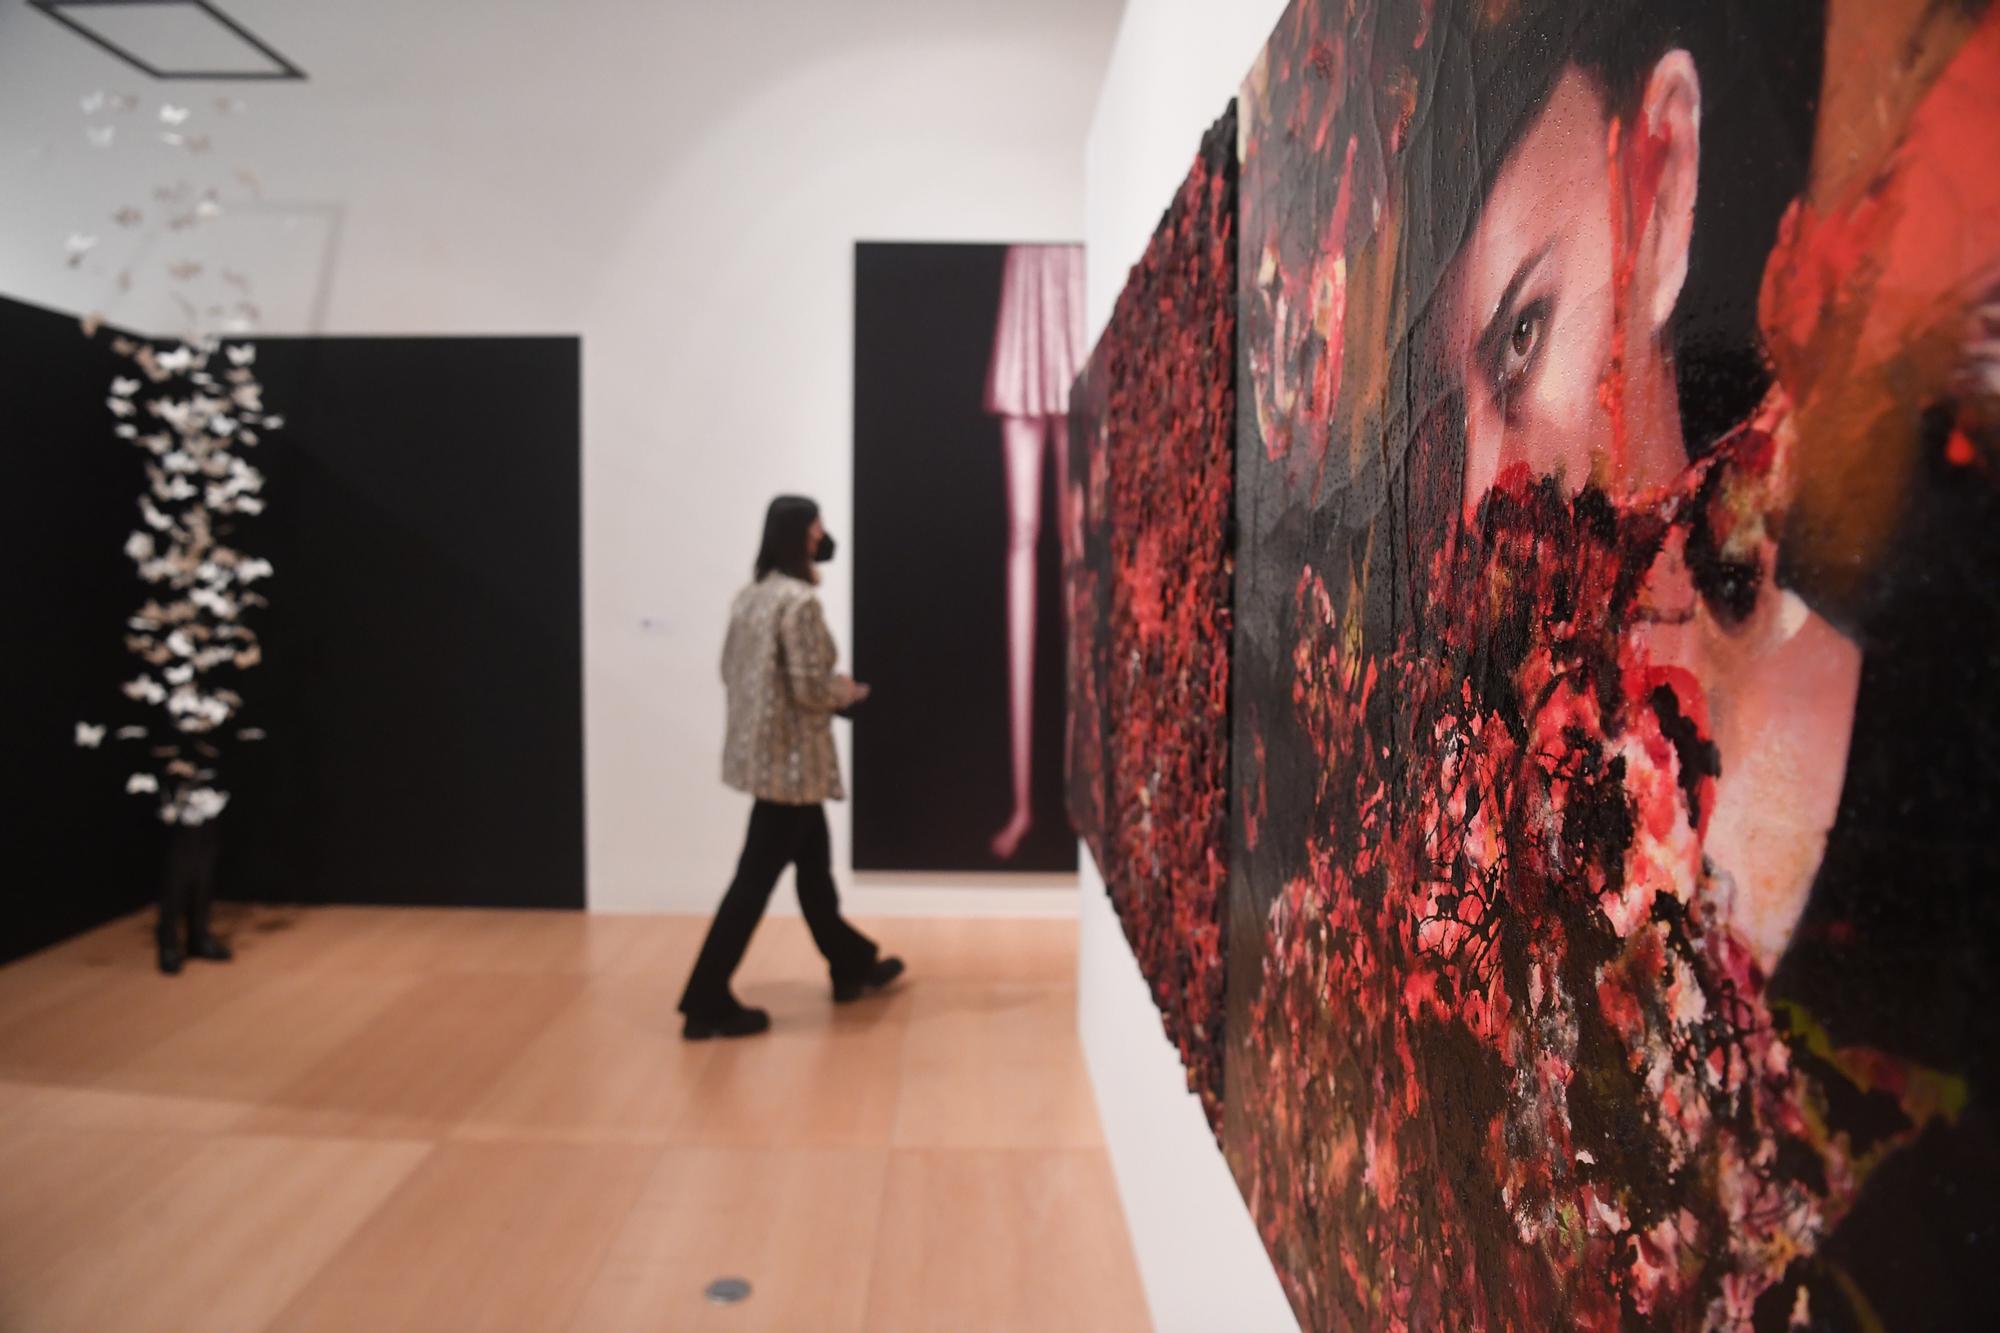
[[1038, 338]]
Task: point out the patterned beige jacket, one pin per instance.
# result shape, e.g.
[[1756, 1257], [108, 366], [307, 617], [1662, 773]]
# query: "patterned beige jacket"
[[778, 665]]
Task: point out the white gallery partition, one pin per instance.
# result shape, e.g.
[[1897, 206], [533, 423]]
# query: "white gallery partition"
[[1173, 69]]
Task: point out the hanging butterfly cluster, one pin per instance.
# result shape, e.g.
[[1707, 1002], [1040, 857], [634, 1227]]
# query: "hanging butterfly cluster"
[[178, 212], [195, 407], [192, 636]]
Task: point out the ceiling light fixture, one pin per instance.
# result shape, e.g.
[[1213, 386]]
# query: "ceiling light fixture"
[[180, 39]]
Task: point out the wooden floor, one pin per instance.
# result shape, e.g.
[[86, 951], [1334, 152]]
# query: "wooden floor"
[[441, 1121]]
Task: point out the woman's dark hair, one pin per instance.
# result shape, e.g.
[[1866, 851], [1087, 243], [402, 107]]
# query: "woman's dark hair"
[[1450, 88], [1492, 65], [786, 523]]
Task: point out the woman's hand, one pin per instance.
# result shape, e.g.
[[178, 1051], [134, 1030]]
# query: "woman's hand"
[[849, 692]]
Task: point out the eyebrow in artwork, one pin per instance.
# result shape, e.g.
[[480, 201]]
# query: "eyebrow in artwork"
[[1490, 336]]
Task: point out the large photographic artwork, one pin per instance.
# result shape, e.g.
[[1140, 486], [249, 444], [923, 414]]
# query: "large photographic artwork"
[[1150, 593], [1613, 927], [964, 356]]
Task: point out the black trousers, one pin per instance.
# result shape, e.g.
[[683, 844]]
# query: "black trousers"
[[780, 836], [188, 884]]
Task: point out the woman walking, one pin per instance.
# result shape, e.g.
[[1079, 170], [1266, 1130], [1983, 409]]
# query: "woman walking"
[[778, 666]]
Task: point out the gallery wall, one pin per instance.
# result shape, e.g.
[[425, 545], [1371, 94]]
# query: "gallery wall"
[[696, 231], [73, 853], [422, 685], [420, 694], [1175, 67]]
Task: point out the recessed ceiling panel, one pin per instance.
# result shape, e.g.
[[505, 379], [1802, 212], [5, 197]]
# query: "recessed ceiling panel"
[[172, 39]]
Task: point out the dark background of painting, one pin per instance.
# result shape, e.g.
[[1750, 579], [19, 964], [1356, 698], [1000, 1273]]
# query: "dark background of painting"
[[932, 771], [423, 677]]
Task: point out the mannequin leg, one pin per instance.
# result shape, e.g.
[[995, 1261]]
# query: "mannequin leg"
[[176, 878], [1067, 514], [1022, 439], [205, 840], [1069, 520]]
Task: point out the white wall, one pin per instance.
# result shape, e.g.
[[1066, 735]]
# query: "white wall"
[[1174, 67], [1200, 1259], [681, 183]]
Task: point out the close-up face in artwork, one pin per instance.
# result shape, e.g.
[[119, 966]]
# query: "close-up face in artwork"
[[1539, 317], [1589, 628]]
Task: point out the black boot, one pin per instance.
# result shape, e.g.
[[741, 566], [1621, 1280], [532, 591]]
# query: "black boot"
[[879, 974], [741, 1021], [171, 956]]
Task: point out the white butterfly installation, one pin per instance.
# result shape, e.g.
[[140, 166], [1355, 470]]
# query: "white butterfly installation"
[[198, 404]]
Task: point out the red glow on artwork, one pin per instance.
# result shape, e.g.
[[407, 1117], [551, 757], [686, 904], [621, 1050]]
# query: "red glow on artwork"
[[1635, 164], [1508, 1054], [1159, 396]]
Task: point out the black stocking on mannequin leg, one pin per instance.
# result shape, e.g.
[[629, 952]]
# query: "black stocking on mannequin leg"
[[186, 894], [201, 943], [174, 882]]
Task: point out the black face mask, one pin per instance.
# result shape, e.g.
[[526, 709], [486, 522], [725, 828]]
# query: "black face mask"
[[824, 551]]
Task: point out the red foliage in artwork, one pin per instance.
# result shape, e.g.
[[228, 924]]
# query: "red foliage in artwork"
[[1510, 1062], [1087, 612], [1156, 411]]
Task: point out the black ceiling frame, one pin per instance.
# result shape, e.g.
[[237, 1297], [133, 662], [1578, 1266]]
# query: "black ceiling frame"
[[286, 69]]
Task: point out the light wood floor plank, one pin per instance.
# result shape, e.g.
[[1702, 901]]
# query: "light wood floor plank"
[[797, 1224], [64, 1188], [1011, 950], [109, 1021], [825, 1075], [27, 1105], [611, 1067], [237, 1052], [423, 1063], [994, 1065], [223, 1241], [1024, 1239], [396, 1119], [483, 1237]]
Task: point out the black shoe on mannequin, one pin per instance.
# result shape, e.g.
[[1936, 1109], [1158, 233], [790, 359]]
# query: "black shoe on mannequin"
[[201, 942], [208, 947]]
